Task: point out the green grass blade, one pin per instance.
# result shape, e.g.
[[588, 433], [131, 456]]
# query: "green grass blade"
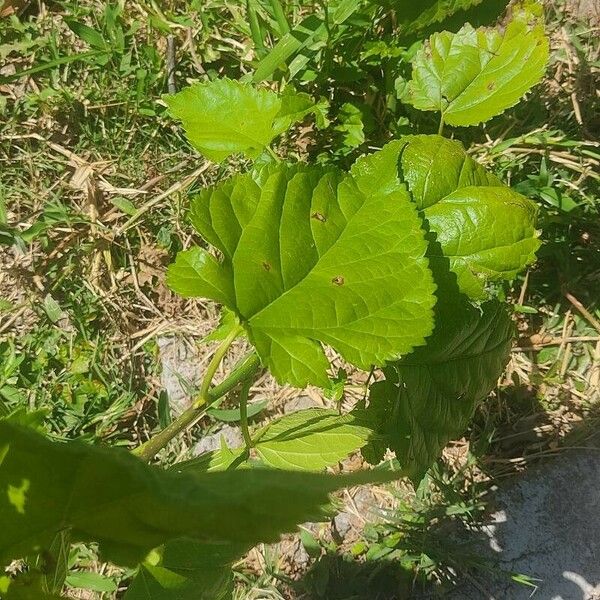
[[63, 60]]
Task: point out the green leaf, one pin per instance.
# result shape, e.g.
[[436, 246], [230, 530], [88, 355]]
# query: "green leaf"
[[223, 459], [56, 563], [295, 106], [26, 586], [113, 498], [28, 418], [309, 36], [475, 74], [483, 228], [428, 398], [350, 125], [52, 308], [87, 34], [198, 273], [187, 570], [312, 439], [227, 323], [3, 211], [304, 34], [233, 415], [413, 17], [226, 117], [314, 255], [307, 440], [125, 205], [90, 580]]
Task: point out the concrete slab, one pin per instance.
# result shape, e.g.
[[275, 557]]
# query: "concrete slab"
[[547, 526]]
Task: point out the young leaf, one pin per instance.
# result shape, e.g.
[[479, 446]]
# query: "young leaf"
[[310, 440], [129, 508], [233, 415], [487, 233], [476, 74], [429, 397], [314, 255], [225, 117], [227, 323], [485, 229], [52, 309], [87, 34], [350, 125]]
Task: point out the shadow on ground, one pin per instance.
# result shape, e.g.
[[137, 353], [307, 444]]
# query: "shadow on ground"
[[544, 524]]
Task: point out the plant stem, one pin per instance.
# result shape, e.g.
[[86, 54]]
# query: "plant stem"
[[441, 127], [272, 153], [213, 365], [244, 371], [244, 414]]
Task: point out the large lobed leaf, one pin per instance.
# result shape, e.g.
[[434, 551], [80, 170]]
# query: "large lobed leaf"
[[314, 256], [475, 74], [483, 229], [429, 397], [225, 117], [108, 496]]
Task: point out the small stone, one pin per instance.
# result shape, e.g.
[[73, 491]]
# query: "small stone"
[[299, 403], [342, 524], [233, 439], [180, 371]]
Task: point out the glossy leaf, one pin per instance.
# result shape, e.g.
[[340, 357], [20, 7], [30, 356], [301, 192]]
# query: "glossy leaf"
[[310, 440], [225, 117], [429, 397], [227, 323], [485, 230], [111, 497], [314, 256], [475, 74]]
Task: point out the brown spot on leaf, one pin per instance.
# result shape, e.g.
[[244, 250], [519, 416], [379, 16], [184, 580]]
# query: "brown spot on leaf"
[[491, 85], [266, 266], [339, 280], [319, 217]]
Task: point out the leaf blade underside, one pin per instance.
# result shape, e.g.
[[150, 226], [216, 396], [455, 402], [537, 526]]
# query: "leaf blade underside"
[[113, 498]]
